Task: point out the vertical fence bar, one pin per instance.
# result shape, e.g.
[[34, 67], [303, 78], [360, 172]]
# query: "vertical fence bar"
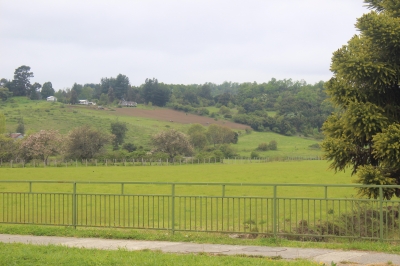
[[274, 222], [173, 208], [74, 209], [380, 213]]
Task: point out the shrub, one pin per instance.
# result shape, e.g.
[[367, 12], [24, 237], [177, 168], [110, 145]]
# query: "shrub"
[[248, 130], [254, 154], [263, 147], [273, 145], [130, 147], [315, 146]]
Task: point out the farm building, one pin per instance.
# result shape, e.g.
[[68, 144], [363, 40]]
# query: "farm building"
[[51, 99]]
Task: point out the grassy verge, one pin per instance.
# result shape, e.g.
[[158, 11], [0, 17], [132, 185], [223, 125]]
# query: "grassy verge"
[[22, 254], [210, 238]]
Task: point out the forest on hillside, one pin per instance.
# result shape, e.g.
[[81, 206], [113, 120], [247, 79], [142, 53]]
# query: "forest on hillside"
[[283, 106]]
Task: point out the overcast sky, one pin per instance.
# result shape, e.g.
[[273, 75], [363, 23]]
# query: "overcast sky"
[[175, 41]]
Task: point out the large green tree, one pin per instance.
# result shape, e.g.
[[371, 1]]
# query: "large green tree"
[[85, 142], [47, 90], [20, 85], [364, 134], [173, 143], [118, 129]]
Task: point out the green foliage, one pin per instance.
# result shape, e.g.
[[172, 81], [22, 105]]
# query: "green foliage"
[[2, 123], [85, 142], [118, 129], [47, 90], [228, 151], [20, 128], [20, 85], [224, 110], [172, 142], [273, 145], [364, 133], [254, 154], [130, 147], [370, 175], [263, 146], [219, 134], [8, 148], [5, 93]]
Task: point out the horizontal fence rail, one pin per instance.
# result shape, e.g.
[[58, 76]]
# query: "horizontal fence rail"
[[148, 161], [277, 209]]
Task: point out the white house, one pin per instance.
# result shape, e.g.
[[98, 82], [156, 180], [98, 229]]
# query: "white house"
[[51, 99], [85, 102]]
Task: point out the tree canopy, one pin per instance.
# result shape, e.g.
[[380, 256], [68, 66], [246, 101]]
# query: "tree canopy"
[[41, 145], [118, 129], [173, 143], [85, 142], [20, 85], [364, 134]]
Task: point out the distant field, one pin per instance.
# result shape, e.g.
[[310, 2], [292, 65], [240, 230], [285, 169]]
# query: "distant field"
[[307, 172], [142, 122]]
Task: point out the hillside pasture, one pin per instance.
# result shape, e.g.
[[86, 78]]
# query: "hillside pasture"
[[142, 122]]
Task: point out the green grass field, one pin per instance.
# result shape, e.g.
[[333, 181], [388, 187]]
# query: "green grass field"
[[148, 205], [299, 172]]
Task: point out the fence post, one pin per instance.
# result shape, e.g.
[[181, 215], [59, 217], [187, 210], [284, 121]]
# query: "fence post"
[[74, 210], [173, 209], [380, 213], [223, 191], [274, 222]]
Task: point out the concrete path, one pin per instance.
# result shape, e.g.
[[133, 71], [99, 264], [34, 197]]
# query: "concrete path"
[[319, 255]]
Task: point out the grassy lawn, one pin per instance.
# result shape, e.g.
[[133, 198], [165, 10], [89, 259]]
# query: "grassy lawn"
[[25, 254], [287, 146], [300, 172], [311, 172], [197, 237], [197, 207]]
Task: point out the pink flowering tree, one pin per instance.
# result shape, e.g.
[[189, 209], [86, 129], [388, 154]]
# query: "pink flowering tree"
[[41, 145]]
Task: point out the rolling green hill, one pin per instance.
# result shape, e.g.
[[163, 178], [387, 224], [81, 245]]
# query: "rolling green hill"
[[38, 115]]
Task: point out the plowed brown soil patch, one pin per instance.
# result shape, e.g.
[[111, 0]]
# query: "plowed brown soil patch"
[[176, 117]]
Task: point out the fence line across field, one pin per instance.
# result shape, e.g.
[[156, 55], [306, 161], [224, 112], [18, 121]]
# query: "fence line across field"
[[202, 207], [148, 162]]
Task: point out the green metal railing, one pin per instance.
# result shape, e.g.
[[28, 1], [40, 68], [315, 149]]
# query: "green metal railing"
[[271, 209]]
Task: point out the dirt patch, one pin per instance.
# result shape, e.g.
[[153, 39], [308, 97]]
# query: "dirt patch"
[[173, 116]]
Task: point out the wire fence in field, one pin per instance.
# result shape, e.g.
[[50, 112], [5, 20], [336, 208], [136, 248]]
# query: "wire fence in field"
[[147, 162], [203, 207]]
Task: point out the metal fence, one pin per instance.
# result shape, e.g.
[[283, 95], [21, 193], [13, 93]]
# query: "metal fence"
[[279, 210], [34, 163]]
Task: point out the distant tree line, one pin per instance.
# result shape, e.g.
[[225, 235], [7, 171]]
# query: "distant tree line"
[[297, 107]]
